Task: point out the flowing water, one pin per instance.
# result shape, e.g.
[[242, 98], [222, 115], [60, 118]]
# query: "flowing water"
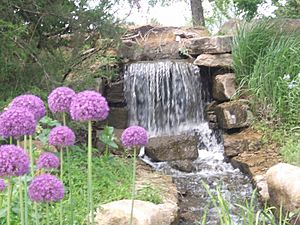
[[168, 98]]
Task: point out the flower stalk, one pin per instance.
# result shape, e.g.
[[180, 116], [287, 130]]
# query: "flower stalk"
[[133, 185], [90, 181]]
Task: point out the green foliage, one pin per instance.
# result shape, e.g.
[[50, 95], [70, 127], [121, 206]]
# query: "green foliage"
[[248, 7], [44, 127], [107, 137], [42, 40], [290, 9], [268, 67], [149, 193]]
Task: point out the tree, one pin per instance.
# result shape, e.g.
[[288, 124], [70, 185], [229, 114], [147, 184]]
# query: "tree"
[[197, 13], [33, 34]]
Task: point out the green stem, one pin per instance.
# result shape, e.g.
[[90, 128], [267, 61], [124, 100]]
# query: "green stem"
[[90, 181], [61, 178], [31, 156], [9, 200], [133, 185], [64, 119], [10, 140], [21, 202], [106, 151], [71, 216], [25, 186], [47, 213], [36, 213]]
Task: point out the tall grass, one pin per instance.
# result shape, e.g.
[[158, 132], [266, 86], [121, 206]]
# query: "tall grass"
[[267, 65]]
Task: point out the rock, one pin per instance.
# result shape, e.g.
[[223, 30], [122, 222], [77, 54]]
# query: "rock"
[[234, 114], [117, 117], [224, 87], [216, 60], [230, 27], [209, 45], [245, 141], [284, 186], [170, 148], [256, 162], [144, 213], [114, 93], [154, 43], [183, 165], [261, 184]]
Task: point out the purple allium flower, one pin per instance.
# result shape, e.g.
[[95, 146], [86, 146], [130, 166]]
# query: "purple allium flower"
[[2, 185], [89, 105], [60, 99], [14, 161], [61, 136], [134, 136], [33, 103], [46, 188], [17, 122], [48, 160]]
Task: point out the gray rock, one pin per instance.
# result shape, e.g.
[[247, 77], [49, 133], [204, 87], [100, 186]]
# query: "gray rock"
[[224, 87], [284, 186], [209, 45], [216, 60], [234, 114], [183, 165], [169, 148]]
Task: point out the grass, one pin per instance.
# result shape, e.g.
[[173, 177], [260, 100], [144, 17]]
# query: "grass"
[[267, 66], [112, 181]]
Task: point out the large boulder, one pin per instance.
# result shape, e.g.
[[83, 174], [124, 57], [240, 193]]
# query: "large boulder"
[[245, 141], [284, 186], [233, 114], [169, 148], [144, 213], [214, 60], [209, 45], [224, 87]]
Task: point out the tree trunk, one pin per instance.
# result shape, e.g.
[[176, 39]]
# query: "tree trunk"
[[197, 13]]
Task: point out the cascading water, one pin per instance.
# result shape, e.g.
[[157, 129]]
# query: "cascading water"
[[168, 98]]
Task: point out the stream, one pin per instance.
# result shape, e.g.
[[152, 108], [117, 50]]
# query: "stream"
[[168, 98]]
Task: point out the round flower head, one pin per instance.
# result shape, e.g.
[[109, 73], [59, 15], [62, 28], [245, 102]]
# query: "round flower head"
[[31, 102], [60, 99], [134, 136], [48, 160], [17, 122], [89, 105], [13, 161], [61, 136], [46, 188], [2, 185]]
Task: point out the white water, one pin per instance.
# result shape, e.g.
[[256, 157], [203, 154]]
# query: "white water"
[[168, 98]]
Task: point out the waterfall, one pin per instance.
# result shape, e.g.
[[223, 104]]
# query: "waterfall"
[[165, 97], [169, 98]]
